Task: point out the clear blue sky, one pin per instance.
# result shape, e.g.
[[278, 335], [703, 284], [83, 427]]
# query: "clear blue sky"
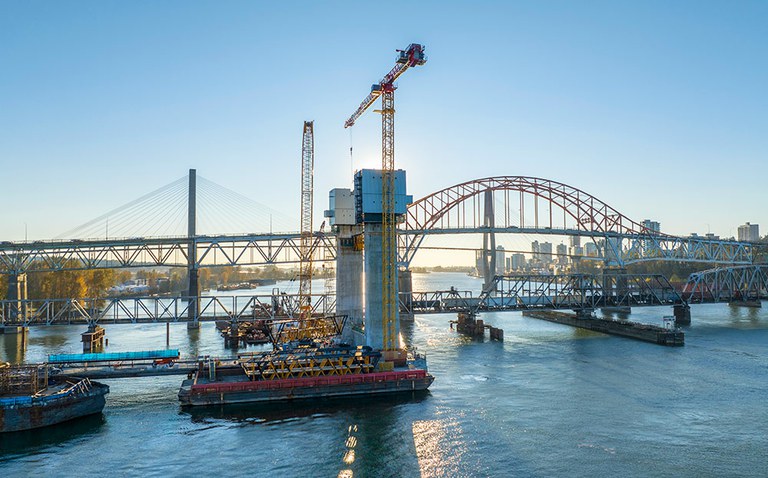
[[658, 108]]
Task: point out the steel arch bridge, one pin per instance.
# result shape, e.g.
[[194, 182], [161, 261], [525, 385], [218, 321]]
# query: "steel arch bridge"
[[528, 205], [532, 205]]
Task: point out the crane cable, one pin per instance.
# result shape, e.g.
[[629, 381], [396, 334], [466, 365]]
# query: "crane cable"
[[351, 158]]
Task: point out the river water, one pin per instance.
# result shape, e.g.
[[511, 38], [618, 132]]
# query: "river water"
[[548, 401]]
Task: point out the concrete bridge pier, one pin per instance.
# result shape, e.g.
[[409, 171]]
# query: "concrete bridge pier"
[[374, 304], [93, 339], [349, 282], [682, 314], [17, 296], [193, 290]]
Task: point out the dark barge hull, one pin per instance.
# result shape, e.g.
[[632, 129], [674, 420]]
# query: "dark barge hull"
[[221, 393], [644, 332], [51, 411]]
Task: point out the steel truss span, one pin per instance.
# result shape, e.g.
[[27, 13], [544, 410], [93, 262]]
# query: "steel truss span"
[[534, 291], [225, 250], [119, 310], [540, 206], [728, 284]]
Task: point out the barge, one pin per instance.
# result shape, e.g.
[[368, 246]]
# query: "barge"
[[304, 373], [670, 335], [30, 399]]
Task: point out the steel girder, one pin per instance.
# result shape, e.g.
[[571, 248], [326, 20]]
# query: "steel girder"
[[728, 284], [569, 291], [157, 309], [225, 250], [454, 210]]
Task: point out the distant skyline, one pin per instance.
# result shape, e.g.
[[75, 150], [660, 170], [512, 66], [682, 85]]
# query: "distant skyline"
[[656, 108]]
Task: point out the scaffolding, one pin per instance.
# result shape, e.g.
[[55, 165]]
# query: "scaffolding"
[[22, 380]]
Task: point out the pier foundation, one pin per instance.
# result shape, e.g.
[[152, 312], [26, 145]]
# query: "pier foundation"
[[93, 339], [682, 313]]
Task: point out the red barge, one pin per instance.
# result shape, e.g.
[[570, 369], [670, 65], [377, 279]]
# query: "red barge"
[[301, 374]]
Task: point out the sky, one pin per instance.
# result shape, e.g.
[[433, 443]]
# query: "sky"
[[657, 108]]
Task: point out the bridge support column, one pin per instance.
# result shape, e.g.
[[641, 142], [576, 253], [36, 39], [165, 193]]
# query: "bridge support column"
[[405, 293], [489, 242], [374, 307], [682, 314], [193, 291], [17, 297], [349, 282], [93, 339]]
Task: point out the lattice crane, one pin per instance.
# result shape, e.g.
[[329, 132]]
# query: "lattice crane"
[[308, 327], [410, 57], [307, 189]]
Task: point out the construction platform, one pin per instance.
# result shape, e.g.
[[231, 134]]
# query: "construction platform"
[[671, 336], [122, 364]]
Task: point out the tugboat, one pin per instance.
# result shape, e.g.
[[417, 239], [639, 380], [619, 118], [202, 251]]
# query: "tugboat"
[[31, 398]]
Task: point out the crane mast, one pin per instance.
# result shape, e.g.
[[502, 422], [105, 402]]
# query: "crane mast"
[[305, 266], [410, 57]]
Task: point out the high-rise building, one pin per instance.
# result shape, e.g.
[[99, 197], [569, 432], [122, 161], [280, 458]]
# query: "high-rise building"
[[536, 250], [562, 254], [590, 249], [546, 252], [575, 241], [749, 232], [500, 264], [653, 226], [517, 262]]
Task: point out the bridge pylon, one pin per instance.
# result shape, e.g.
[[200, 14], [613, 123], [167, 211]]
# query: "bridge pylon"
[[489, 241], [193, 290]]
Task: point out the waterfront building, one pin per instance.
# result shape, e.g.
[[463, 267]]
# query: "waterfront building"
[[517, 262], [653, 226], [562, 254], [749, 232]]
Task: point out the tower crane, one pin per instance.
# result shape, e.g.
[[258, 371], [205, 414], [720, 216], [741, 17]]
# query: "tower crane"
[[410, 57]]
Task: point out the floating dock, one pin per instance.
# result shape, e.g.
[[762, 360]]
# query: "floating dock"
[[645, 332], [122, 364]]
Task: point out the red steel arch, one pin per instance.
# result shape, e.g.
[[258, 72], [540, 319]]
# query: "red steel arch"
[[581, 214], [590, 214]]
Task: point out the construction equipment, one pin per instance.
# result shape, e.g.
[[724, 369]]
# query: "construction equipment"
[[305, 267], [307, 327], [410, 57]]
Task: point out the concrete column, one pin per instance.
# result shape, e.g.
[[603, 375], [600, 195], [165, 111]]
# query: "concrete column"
[[682, 314], [17, 293], [193, 290], [489, 241], [374, 328], [349, 282]]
